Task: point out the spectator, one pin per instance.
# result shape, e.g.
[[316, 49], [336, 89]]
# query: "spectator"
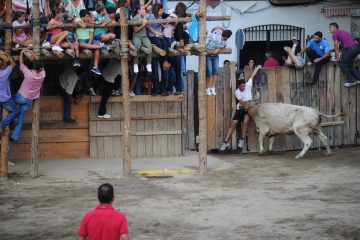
[[250, 65], [216, 43], [297, 61], [104, 222], [73, 40], [29, 90], [351, 51], [243, 94], [226, 63], [102, 18], [2, 11], [20, 37], [270, 61], [7, 64], [86, 38], [23, 6], [318, 51], [140, 39], [74, 7], [56, 36], [156, 36], [68, 81]]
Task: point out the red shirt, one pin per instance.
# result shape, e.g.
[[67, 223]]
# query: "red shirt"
[[103, 223], [270, 62]]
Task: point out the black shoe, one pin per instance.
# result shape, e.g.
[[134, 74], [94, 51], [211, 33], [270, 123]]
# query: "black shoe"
[[69, 120], [178, 93], [13, 140]]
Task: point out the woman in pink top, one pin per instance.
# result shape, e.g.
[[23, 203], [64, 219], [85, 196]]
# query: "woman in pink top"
[[56, 35], [29, 90]]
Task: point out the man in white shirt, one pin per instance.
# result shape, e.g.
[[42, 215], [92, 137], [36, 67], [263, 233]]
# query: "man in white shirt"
[[243, 94]]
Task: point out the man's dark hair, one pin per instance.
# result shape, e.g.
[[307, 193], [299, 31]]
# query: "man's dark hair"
[[226, 61], [38, 65], [106, 193], [334, 24], [83, 13], [241, 81], [319, 34], [226, 33]]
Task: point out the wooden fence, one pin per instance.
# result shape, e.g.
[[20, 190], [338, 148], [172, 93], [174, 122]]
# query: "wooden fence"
[[286, 85]]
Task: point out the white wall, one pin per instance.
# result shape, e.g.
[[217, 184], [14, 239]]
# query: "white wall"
[[262, 13]]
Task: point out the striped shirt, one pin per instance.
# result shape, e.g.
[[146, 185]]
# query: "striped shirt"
[[214, 41]]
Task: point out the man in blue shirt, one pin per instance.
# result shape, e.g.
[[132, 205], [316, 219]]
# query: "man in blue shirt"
[[318, 51]]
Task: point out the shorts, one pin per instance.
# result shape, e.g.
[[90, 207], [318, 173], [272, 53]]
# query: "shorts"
[[301, 61], [239, 114], [212, 65], [93, 42], [49, 36], [98, 37], [72, 40]]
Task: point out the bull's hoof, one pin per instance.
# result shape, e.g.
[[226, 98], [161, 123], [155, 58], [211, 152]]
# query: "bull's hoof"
[[298, 156]]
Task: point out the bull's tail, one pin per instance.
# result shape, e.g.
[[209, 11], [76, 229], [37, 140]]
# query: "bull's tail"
[[342, 114]]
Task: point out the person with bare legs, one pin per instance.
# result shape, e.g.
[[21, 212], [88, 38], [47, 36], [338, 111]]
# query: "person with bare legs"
[[56, 36], [297, 61], [242, 94]]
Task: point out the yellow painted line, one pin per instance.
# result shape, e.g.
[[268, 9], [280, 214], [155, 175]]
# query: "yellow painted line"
[[173, 171]]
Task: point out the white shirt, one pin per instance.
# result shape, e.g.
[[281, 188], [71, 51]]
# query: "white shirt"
[[245, 95], [68, 80], [111, 70]]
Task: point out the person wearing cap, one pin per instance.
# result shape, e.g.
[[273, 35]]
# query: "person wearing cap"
[[318, 51], [351, 51], [243, 94], [104, 222], [6, 66], [216, 43]]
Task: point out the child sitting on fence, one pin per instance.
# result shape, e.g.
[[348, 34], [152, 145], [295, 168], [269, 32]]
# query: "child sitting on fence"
[[102, 18], [20, 37], [140, 39], [214, 42], [56, 36], [29, 90], [74, 45], [6, 66], [86, 38]]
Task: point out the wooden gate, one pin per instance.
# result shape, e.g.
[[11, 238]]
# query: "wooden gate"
[[156, 129]]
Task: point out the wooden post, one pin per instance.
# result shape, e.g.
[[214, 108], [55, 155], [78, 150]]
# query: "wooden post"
[[125, 89], [36, 104], [5, 138], [201, 90]]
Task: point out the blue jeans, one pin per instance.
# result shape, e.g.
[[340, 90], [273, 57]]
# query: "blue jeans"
[[12, 108], [311, 53], [347, 63], [179, 68], [212, 65], [165, 5], [67, 105], [24, 105]]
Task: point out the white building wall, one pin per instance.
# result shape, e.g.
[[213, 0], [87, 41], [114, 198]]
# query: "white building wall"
[[262, 13]]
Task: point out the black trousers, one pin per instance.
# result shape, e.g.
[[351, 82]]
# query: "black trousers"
[[107, 90]]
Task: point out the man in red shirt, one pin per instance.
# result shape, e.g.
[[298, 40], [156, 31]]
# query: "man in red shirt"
[[104, 222], [270, 61]]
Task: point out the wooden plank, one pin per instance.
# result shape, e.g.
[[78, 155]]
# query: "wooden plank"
[[184, 113], [337, 88], [171, 126], [315, 99], [116, 127], [322, 94], [345, 108], [352, 117], [133, 139], [233, 86], [219, 130], [190, 111], [140, 127], [228, 95], [271, 84], [211, 121], [286, 92], [34, 166], [52, 150], [280, 141], [177, 128], [140, 98], [163, 125], [149, 127], [155, 107], [92, 130], [57, 135], [330, 96]]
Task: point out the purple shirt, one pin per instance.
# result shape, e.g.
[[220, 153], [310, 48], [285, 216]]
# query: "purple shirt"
[[344, 37], [5, 92], [30, 87]]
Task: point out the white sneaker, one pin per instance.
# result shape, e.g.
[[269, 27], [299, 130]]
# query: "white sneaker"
[[350, 84], [358, 82], [208, 91], [148, 67], [241, 143], [57, 48], [92, 91], [46, 45], [136, 68], [212, 90], [132, 94], [224, 146], [105, 116], [17, 45]]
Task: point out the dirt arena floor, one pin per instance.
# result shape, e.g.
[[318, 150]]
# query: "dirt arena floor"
[[267, 197]]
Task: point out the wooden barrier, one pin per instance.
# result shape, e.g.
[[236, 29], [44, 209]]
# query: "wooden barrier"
[[156, 127], [287, 85]]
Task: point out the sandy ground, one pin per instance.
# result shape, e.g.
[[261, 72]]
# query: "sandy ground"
[[253, 197]]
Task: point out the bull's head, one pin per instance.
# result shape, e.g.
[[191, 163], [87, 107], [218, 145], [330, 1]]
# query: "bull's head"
[[251, 107]]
